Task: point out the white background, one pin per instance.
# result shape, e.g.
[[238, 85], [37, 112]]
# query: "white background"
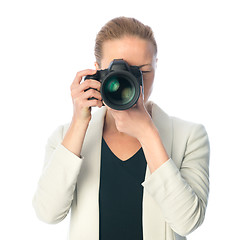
[[44, 43]]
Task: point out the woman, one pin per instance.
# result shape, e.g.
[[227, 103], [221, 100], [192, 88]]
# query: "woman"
[[132, 174]]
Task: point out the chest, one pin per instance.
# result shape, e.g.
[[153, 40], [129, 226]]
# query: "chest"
[[122, 147]]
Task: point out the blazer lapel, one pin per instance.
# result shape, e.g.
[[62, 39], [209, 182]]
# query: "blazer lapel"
[[89, 179], [153, 223]]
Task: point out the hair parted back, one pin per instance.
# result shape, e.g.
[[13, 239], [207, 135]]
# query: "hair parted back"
[[118, 28]]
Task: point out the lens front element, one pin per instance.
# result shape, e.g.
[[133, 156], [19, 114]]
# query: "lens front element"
[[120, 91]]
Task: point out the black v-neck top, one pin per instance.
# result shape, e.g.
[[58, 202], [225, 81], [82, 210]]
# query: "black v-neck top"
[[120, 195]]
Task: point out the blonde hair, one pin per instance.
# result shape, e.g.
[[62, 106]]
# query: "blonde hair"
[[118, 28]]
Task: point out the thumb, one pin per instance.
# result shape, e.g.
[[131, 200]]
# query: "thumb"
[[141, 97]]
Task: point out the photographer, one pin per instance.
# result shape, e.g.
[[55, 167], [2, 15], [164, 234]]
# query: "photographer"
[[125, 174]]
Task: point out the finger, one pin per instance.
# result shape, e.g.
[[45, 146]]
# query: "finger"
[[91, 93], [81, 74], [93, 103], [141, 97], [141, 92], [90, 84], [83, 87]]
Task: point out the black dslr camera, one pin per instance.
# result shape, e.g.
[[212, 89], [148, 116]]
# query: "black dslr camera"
[[120, 84]]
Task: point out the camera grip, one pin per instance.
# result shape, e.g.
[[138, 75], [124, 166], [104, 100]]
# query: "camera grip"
[[93, 77]]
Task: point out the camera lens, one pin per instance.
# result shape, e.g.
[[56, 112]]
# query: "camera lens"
[[120, 91]]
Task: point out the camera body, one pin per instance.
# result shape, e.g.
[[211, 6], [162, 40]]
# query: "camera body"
[[120, 84]]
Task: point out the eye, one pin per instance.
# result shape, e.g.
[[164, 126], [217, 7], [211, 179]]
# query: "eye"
[[146, 68], [146, 71]]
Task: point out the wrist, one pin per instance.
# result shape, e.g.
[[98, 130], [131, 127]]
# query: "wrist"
[[73, 139], [150, 132], [78, 122], [153, 148]]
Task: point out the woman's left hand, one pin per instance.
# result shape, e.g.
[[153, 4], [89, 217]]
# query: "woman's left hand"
[[134, 121]]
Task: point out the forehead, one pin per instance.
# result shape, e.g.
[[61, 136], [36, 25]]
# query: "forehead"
[[134, 50]]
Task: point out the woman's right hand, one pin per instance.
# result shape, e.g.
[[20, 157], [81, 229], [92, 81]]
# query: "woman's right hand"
[[81, 93]]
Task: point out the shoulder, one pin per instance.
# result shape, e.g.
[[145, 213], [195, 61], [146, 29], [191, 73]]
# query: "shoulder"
[[180, 126], [187, 128], [189, 137]]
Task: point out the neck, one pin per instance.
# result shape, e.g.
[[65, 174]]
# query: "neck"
[[109, 123]]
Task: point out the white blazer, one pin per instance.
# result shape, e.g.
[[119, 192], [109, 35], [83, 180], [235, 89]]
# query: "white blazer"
[[174, 196]]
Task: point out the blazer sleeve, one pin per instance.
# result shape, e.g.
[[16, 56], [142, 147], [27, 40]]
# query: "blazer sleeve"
[[182, 194], [54, 194]]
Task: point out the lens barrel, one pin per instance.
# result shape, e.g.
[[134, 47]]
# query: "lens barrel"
[[120, 90]]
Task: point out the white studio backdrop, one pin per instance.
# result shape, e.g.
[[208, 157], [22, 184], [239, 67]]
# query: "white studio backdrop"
[[44, 43]]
